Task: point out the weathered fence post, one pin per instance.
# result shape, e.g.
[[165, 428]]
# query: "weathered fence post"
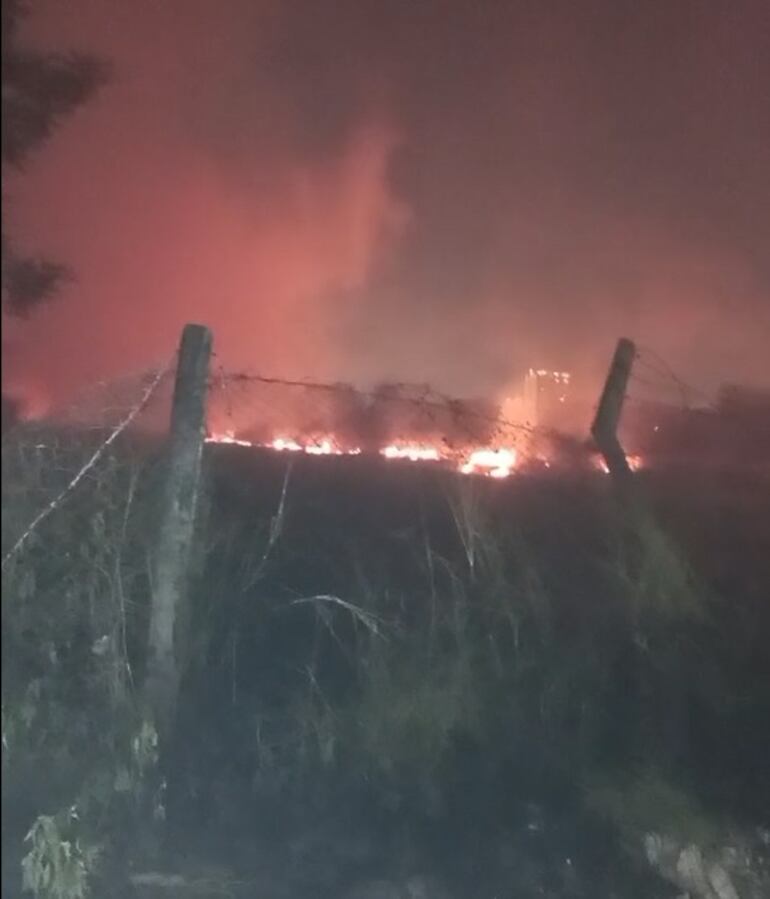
[[605, 425], [176, 523]]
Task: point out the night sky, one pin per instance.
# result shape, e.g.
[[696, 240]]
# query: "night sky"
[[444, 191]]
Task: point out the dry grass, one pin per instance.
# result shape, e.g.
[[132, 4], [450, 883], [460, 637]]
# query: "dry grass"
[[334, 639]]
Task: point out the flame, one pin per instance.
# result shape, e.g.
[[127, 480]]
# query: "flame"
[[497, 460], [635, 463], [487, 461], [491, 462], [285, 444], [228, 437], [413, 452], [320, 446], [497, 463]]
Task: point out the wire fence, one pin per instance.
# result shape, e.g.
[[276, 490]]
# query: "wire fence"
[[79, 449], [258, 408], [659, 383], [669, 417], [46, 462]]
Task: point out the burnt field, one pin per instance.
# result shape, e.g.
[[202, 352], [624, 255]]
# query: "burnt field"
[[392, 672]]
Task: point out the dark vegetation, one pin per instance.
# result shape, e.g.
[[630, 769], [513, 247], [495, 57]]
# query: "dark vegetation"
[[389, 670], [40, 91]]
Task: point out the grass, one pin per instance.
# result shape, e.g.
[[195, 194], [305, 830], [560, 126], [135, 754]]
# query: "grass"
[[364, 633]]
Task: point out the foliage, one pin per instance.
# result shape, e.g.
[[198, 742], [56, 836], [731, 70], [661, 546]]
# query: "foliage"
[[73, 612], [407, 718], [643, 802], [40, 91], [58, 864], [451, 634]]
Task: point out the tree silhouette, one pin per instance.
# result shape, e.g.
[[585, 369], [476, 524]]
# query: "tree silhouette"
[[40, 90]]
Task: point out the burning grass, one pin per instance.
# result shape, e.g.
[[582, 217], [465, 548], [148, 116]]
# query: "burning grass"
[[535, 452]]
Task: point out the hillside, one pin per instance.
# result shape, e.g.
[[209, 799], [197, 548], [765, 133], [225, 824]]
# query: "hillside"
[[394, 671]]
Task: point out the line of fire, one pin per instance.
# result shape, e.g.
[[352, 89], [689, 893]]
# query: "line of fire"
[[541, 423]]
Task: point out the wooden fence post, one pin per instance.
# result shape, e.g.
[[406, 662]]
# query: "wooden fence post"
[[176, 523], [605, 425]]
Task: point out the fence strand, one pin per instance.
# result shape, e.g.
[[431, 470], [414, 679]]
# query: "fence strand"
[[90, 463]]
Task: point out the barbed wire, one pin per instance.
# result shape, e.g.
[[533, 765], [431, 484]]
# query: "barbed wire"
[[152, 384], [110, 409], [655, 364], [667, 379], [421, 398], [658, 381], [50, 450]]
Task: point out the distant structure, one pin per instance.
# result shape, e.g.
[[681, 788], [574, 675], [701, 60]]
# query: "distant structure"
[[545, 396]]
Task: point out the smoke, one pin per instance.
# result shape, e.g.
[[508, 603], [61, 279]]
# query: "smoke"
[[440, 191], [172, 207]]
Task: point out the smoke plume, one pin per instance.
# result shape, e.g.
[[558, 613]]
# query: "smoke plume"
[[435, 191]]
